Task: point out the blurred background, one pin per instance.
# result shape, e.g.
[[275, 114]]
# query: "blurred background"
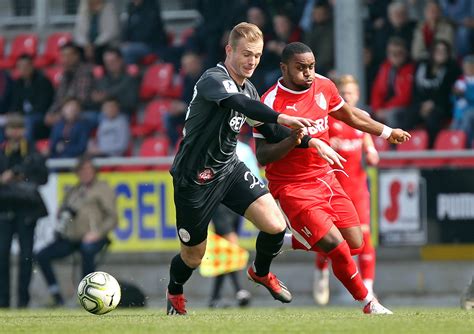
[[112, 79]]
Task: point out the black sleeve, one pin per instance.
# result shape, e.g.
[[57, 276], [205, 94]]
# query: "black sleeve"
[[275, 133], [253, 109]]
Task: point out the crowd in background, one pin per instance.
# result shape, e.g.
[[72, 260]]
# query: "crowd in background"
[[418, 58]]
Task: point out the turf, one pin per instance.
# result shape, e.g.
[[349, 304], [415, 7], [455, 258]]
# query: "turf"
[[252, 320]]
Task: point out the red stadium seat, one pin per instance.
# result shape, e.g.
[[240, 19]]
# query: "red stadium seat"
[[22, 44], [450, 140], [155, 147], [418, 142], [52, 49], [152, 118], [157, 80], [54, 74]]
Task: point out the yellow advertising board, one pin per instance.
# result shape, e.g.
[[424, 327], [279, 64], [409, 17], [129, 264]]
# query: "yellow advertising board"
[[146, 211]]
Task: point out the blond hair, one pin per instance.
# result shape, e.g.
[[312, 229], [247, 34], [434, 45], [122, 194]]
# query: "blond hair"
[[250, 32], [346, 79]]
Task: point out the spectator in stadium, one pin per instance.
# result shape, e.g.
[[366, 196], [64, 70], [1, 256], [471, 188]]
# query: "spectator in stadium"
[[76, 82], [86, 216], [392, 89], [320, 37], [461, 14], [96, 28], [6, 90], [432, 28], [207, 38], [258, 16], [22, 170], [192, 68], [32, 96], [116, 83], [433, 82], [69, 136], [397, 24], [464, 105], [284, 32], [113, 133], [143, 32]]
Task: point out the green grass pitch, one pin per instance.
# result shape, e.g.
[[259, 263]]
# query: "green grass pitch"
[[251, 320]]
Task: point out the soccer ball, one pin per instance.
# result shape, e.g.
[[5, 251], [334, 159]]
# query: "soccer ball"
[[99, 292]]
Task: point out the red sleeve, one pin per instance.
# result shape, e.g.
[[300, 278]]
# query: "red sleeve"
[[378, 90], [403, 88], [335, 100]]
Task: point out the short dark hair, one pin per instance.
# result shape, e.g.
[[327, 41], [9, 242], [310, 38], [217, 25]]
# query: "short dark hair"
[[111, 99], [71, 45], [71, 99], [114, 50], [294, 48], [25, 56], [397, 41], [83, 160]]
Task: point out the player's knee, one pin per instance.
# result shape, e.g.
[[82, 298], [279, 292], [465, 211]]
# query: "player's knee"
[[276, 229], [192, 258], [356, 244], [192, 261]]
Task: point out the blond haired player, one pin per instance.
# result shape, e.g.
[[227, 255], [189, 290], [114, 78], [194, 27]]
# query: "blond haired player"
[[206, 170]]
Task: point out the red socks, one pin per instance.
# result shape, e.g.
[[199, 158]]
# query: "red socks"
[[346, 271], [321, 262], [367, 259]]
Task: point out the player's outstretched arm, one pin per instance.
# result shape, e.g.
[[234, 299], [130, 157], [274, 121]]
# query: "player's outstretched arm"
[[258, 111], [275, 133], [360, 120], [269, 152]]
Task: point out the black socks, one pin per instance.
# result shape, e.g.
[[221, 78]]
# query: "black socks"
[[179, 274], [268, 246]]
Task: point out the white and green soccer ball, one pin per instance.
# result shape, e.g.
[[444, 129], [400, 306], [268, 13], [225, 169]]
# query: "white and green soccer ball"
[[99, 292]]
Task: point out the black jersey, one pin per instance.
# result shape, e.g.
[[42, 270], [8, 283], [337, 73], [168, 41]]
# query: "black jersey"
[[207, 151]]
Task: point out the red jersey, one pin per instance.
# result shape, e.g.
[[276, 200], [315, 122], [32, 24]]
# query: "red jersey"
[[350, 141], [315, 103]]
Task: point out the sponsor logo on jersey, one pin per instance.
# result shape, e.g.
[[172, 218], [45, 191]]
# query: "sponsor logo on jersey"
[[205, 175], [236, 122], [248, 176], [321, 101], [293, 107], [230, 86], [321, 126]]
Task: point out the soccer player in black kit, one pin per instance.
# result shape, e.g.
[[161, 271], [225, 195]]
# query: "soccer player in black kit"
[[206, 170]]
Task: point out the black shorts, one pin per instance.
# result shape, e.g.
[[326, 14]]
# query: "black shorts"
[[226, 221], [196, 204]]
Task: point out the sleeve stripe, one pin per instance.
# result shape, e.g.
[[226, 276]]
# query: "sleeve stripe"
[[339, 106], [258, 135]]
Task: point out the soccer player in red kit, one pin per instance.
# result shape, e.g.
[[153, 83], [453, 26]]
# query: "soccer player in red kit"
[[320, 215], [350, 143]]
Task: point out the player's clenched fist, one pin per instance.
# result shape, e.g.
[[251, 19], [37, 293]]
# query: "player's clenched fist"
[[398, 136]]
